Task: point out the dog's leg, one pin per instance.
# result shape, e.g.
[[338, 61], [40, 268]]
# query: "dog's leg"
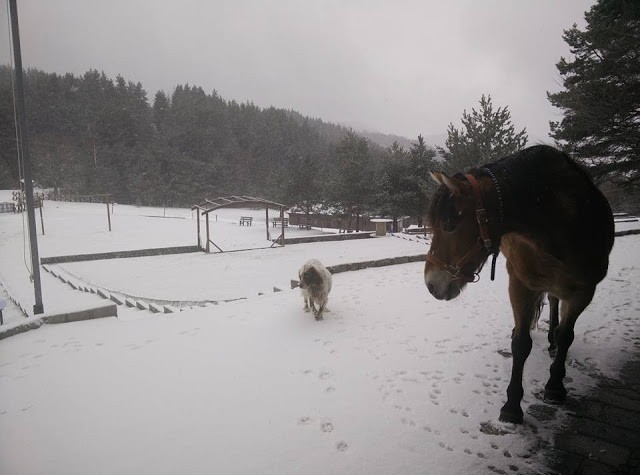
[[306, 303], [320, 311]]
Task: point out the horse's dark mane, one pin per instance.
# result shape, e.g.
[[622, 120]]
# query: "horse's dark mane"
[[440, 206], [529, 174]]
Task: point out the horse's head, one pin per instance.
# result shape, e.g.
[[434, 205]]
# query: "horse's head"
[[457, 251]]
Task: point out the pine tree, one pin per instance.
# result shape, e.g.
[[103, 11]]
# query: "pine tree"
[[487, 135], [395, 196], [353, 184], [404, 182], [601, 100]]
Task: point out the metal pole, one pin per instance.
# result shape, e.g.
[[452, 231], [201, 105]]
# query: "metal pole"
[[23, 143], [266, 211], [108, 213]]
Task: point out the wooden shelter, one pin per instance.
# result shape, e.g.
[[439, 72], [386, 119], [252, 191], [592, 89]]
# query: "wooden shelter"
[[207, 206]]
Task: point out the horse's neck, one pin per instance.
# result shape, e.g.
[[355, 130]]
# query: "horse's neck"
[[512, 197]]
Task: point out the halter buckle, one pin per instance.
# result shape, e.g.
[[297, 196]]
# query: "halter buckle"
[[453, 271], [481, 216]]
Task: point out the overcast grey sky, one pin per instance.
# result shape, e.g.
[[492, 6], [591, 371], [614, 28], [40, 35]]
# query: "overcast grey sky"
[[402, 67]]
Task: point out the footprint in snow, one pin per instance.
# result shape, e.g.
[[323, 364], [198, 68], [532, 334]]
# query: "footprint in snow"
[[342, 446], [325, 375], [326, 427]]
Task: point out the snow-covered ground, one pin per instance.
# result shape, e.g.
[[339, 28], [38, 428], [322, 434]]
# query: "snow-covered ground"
[[392, 381]]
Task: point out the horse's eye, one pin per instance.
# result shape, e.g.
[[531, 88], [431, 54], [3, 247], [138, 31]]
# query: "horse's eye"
[[452, 221], [450, 224]]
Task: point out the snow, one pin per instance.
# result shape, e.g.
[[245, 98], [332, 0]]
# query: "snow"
[[391, 381]]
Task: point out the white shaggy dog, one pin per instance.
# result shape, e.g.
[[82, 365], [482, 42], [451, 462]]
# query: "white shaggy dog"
[[315, 282]]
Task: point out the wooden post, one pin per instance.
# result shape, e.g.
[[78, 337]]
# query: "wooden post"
[[208, 240], [282, 223], [266, 209], [41, 219], [108, 212], [199, 238]]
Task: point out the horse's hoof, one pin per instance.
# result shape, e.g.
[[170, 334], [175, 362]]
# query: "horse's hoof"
[[511, 415], [318, 317], [555, 395]]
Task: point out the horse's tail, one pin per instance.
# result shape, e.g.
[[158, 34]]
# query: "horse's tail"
[[538, 310]]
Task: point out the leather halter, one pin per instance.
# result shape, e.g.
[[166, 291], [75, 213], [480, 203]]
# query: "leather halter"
[[483, 243], [481, 212]]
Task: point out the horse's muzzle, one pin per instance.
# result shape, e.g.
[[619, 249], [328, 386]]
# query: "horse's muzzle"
[[441, 286]]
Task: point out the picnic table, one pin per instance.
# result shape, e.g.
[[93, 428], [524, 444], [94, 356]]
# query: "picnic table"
[[278, 221], [246, 220]]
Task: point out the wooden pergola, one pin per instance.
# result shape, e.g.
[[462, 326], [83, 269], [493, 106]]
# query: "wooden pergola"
[[209, 205]]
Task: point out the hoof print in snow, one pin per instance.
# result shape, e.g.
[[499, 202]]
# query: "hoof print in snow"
[[490, 429], [304, 420], [342, 446], [326, 427]]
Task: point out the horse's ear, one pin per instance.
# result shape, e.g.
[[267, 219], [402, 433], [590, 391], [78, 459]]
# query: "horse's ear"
[[447, 181], [437, 177]]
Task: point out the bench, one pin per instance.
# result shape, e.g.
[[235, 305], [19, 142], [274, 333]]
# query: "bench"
[[8, 207], [278, 221], [248, 220]]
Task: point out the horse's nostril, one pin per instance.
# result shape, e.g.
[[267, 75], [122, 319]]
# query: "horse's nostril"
[[431, 287]]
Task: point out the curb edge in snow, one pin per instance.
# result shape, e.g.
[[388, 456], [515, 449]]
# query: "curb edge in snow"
[[31, 323], [389, 261]]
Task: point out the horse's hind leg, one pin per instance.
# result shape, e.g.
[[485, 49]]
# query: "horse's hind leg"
[[570, 310], [553, 323], [524, 302]]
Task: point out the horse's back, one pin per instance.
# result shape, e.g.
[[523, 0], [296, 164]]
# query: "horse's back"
[[561, 208]]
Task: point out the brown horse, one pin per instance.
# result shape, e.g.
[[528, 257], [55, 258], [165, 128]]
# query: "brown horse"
[[555, 229]]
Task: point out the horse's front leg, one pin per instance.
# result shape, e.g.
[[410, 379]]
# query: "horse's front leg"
[[553, 323], [524, 304], [570, 310]]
